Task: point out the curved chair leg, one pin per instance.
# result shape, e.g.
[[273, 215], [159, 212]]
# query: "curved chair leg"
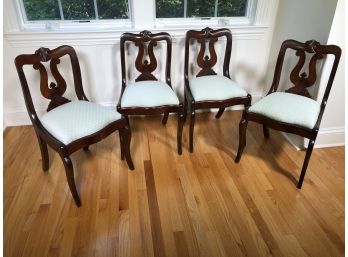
[[219, 113], [69, 171], [265, 131], [165, 118], [44, 153], [126, 139], [192, 126], [305, 163], [242, 138], [180, 128], [121, 144]]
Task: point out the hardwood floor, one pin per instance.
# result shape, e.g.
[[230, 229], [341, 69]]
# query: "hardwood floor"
[[196, 204]]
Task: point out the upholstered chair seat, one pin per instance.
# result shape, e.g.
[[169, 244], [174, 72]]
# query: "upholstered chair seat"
[[215, 87], [288, 108], [77, 119], [148, 93]]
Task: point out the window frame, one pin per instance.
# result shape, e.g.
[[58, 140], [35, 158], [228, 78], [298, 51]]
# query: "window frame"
[[71, 25]]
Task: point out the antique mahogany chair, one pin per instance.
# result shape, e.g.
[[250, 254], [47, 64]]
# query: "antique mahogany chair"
[[293, 111], [207, 89], [68, 125], [147, 95]]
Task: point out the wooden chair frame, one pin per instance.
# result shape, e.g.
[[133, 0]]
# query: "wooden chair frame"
[[148, 40], [301, 82], [206, 64], [54, 92]]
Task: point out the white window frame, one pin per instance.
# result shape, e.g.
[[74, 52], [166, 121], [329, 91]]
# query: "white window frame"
[[142, 15], [71, 25], [248, 19]]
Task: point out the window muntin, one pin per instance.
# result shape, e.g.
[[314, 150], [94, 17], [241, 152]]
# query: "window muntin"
[[200, 8]]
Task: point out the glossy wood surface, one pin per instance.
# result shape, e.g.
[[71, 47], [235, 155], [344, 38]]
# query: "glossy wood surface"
[[195, 204]]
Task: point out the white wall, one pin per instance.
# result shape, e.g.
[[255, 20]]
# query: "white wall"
[[302, 21], [99, 57], [332, 125]]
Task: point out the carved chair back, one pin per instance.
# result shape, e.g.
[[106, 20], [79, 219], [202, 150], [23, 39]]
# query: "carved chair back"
[[304, 80], [146, 41], [55, 90], [210, 37]]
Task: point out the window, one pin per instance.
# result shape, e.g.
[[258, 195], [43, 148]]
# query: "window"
[[121, 15], [200, 8], [72, 10]]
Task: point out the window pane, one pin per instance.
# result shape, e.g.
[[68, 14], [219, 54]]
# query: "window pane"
[[112, 9], [200, 8], [169, 8], [78, 9], [41, 9], [230, 8]]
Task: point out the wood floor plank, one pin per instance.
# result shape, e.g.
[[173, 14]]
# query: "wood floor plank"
[[196, 204], [155, 220]]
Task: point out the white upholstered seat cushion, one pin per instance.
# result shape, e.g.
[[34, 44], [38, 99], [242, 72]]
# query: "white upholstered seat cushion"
[[288, 108], [77, 119], [148, 93], [215, 87]]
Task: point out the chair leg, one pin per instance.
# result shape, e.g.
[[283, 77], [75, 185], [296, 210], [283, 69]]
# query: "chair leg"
[[180, 128], [44, 153], [265, 131], [121, 144], [126, 139], [192, 126], [242, 138], [185, 107], [128, 125], [165, 118], [69, 171], [219, 113], [305, 163]]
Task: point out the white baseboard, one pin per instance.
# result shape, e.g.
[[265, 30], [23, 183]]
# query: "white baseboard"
[[294, 140], [16, 118], [327, 137]]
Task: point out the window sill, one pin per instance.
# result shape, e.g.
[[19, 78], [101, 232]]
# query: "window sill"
[[83, 25], [110, 36], [193, 23]]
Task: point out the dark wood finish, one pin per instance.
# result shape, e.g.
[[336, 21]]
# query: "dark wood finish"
[[301, 82], [208, 37], [54, 92], [146, 41]]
